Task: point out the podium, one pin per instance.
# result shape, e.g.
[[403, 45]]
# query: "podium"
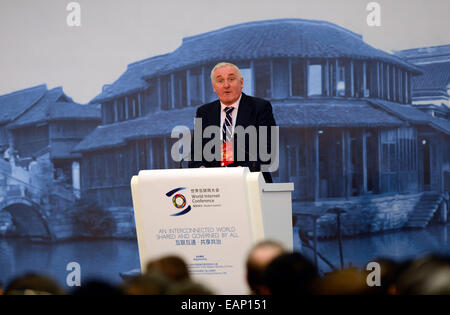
[[210, 217]]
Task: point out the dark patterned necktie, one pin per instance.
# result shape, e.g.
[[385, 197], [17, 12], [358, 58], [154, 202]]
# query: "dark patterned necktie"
[[227, 125]]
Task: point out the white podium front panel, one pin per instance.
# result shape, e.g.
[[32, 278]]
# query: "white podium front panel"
[[209, 217]]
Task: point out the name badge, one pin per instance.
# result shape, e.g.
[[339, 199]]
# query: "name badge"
[[227, 153]]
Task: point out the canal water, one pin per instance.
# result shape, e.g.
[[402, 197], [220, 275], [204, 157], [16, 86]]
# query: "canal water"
[[98, 259], [398, 245], [105, 259]]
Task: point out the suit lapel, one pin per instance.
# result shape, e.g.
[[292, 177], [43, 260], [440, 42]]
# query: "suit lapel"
[[244, 112], [214, 114]]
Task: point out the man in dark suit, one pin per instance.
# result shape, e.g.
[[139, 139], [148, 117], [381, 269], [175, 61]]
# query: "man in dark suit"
[[234, 112]]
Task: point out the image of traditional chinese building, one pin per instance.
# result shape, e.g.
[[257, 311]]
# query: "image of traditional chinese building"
[[349, 134], [39, 127], [39, 121], [431, 90]]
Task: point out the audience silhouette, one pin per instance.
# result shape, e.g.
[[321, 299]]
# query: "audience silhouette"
[[270, 270]]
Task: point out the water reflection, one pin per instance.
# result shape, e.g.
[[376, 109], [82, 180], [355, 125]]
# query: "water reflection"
[[398, 245], [101, 259], [105, 259]]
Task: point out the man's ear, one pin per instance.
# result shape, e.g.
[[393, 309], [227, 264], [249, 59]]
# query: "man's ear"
[[242, 82], [213, 88]]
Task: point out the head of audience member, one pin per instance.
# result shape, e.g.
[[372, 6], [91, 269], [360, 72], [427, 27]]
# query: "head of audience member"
[[33, 284], [260, 256], [150, 283], [290, 274], [96, 287], [173, 267], [349, 281], [427, 275]]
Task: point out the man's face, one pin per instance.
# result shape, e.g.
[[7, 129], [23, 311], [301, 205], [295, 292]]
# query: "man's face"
[[227, 84]]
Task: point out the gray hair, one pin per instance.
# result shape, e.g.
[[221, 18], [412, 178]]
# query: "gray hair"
[[224, 64]]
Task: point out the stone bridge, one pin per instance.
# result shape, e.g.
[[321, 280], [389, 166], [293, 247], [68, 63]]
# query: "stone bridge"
[[35, 214]]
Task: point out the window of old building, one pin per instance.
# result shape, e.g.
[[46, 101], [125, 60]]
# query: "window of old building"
[[407, 159], [315, 79], [298, 77], [388, 139], [209, 92], [280, 78], [341, 74], [120, 106], [180, 91], [166, 92], [195, 86], [331, 163], [149, 101], [248, 80], [263, 79], [358, 74], [392, 81], [158, 153]]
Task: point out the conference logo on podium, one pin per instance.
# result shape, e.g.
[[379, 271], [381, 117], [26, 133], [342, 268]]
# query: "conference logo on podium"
[[178, 201]]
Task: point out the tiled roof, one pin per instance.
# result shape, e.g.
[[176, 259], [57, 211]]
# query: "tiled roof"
[[332, 113], [404, 112], [425, 54], [50, 107], [117, 134], [254, 40], [413, 115], [436, 76], [131, 80], [441, 124], [299, 114], [277, 38], [74, 111], [12, 105]]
